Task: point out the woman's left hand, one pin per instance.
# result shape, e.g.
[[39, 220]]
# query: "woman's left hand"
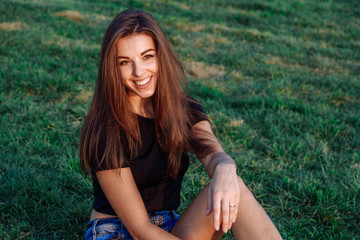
[[224, 196]]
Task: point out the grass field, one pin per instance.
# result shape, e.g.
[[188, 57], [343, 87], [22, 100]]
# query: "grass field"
[[279, 79]]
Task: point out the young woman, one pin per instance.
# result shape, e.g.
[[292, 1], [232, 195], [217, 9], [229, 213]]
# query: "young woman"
[[135, 140]]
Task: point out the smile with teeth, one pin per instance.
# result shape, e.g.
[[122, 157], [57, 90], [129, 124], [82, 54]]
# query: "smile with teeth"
[[142, 82]]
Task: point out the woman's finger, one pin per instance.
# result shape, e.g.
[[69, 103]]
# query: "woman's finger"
[[225, 215], [216, 210], [209, 203], [232, 212]]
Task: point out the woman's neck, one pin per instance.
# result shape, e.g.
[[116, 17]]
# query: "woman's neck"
[[142, 107]]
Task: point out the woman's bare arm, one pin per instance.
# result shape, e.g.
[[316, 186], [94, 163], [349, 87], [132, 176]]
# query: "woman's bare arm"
[[210, 162], [125, 199], [224, 190]]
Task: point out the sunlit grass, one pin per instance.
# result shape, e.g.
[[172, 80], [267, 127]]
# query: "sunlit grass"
[[279, 80]]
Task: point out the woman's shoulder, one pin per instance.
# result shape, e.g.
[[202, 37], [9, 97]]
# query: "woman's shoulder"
[[197, 112], [100, 157], [194, 105]]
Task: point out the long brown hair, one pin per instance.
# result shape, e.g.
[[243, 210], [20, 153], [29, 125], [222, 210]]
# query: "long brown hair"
[[110, 113]]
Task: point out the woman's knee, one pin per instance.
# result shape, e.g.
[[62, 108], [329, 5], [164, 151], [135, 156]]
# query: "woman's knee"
[[245, 193]]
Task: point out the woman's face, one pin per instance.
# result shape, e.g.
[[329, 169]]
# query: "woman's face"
[[136, 56]]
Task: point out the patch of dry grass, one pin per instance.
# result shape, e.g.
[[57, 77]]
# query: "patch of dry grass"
[[181, 5], [202, 70], [71, 15], [208, 42], [344, 100], [84, 96], [75, 16], [217, 27], [186, 27], [325, 65], [12, 26], [236, 123], [64, 42]]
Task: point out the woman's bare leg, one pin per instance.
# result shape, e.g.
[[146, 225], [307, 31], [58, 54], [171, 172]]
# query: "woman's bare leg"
[[252, 221], [194, 223]]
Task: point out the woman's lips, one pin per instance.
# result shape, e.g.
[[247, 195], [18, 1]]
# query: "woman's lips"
[[143, 83]]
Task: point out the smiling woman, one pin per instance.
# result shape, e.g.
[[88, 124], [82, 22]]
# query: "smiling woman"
[[138, 68], [135, 143]]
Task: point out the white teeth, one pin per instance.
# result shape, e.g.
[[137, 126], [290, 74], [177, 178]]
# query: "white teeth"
[[143, 82]]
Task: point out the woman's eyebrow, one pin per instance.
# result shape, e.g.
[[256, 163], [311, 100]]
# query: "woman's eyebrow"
[[144, 52], [150, 49]]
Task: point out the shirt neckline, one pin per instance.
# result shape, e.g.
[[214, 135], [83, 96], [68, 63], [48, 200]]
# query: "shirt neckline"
[[139, 116]]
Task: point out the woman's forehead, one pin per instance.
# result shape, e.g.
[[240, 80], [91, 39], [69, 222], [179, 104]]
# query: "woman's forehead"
[[134, 44]]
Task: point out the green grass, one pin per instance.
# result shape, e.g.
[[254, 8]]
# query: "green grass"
[[279, 79]]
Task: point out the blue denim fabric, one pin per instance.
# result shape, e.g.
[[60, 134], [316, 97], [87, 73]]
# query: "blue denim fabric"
[[113, 228]]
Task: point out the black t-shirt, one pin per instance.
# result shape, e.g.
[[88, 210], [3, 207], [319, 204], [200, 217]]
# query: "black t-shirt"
[[158, 190]]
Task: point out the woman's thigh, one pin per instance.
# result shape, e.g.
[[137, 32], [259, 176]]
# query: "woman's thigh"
[[194, 223]]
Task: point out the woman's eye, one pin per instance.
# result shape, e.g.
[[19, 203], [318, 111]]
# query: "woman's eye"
[[124, 62], [146, 57]]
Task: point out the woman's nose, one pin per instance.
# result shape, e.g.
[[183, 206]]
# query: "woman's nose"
[[138, 69]]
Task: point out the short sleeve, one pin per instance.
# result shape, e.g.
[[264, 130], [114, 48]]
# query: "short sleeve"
[[197, 111], [96, 163]]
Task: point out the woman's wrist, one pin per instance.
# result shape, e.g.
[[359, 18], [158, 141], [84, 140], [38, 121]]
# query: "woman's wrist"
[[220, 160], [226, 166]]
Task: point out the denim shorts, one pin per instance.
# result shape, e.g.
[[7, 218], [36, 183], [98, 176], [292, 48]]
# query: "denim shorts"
[[113, 228]]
